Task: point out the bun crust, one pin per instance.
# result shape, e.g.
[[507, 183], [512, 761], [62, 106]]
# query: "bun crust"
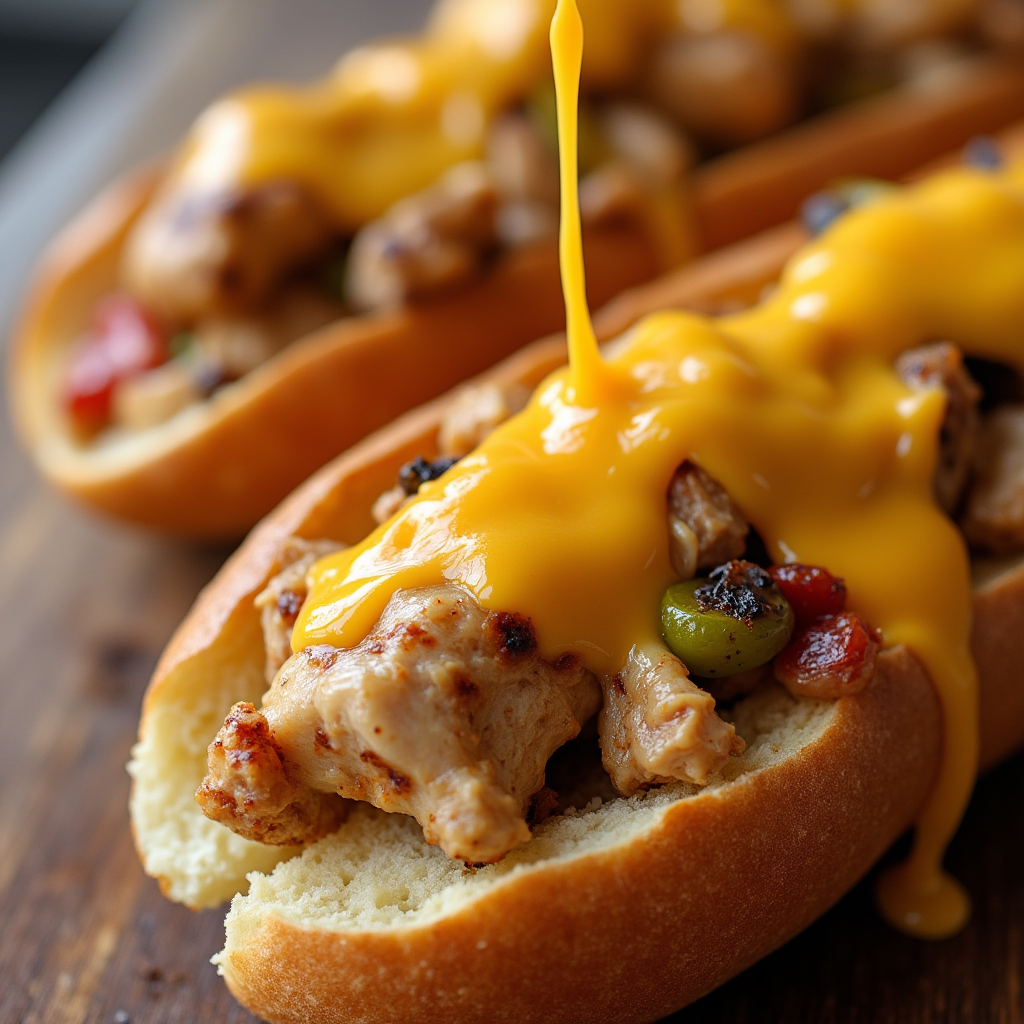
[[214, 469]]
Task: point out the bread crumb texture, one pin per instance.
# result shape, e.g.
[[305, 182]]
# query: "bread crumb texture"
[[197, 861]]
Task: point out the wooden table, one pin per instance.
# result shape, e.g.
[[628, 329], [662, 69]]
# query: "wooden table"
[[86, 608]]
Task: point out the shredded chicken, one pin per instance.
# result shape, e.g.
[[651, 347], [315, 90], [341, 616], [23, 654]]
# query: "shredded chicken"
[[238, 344], [193, 254], [445, 712], [426, 243], [656, 725], [941, 365], [993, 520], [388, 503], [475, 412], [281, 600], [705, 527]]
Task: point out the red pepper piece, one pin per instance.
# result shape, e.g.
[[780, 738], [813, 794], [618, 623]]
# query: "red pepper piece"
[[833, 657], [123, 342], [811, 591]]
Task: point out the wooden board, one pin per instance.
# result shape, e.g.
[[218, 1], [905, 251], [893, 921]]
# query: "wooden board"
[[84, 937]]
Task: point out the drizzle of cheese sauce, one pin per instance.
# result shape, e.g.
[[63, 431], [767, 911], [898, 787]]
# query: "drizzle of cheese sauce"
[[393, 116], [793, 406]]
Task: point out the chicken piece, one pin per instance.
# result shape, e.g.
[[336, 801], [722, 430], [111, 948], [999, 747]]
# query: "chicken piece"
[[411, 477], [196, 255], [941, 365], [247, 780], [993, 520], [281, 600], [705, 527], [475, 413], [522, 164], [657, 726], [236, 345], [425, 244], [445, 712], [726, 87], [153, 397], [388, 503], [611, 194], [647, 142]]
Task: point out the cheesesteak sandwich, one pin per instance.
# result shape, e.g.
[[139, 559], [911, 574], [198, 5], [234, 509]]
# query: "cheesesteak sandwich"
[[623, 697], [313, 262]]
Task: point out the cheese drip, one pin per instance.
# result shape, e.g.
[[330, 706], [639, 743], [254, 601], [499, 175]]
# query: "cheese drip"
[[794, 407], [394, 115]]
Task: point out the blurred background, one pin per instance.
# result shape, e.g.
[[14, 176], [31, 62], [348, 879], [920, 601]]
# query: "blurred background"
[[43, 44]]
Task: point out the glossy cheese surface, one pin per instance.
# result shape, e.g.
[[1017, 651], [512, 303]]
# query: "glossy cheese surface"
[[394, 115], [794, 406]]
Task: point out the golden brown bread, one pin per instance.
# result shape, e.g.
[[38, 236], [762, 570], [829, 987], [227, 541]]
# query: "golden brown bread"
[[216, 468]]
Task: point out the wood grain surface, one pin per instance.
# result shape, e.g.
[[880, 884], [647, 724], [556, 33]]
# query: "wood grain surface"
[[86, 607]]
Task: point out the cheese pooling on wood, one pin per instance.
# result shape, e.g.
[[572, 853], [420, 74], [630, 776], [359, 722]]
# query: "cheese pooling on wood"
[[793, 406]]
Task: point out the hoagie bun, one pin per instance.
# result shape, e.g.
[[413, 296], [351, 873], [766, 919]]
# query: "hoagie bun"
[[214, 468], [372, 924]]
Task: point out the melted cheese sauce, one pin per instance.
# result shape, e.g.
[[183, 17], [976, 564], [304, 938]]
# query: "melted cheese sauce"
[[395, 115], [793, 406]]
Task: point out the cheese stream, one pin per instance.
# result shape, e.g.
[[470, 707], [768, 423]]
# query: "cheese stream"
[[793, 406]]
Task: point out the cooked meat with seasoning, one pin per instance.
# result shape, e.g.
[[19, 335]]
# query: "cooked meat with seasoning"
[[941, 365], [475, 412], [248, 787], [194, 254], [281, 600], [657, 726], [705, 527], [426, 243], [388, 503], [411, 477], [993, 519], [445, 712], [236, 345]]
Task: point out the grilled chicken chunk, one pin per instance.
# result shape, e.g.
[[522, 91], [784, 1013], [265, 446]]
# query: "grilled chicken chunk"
[[942, 365], [250, 779], [281, 600], [445, 712], [993, 520], [196, 254], [657, 726], [705, 527]]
